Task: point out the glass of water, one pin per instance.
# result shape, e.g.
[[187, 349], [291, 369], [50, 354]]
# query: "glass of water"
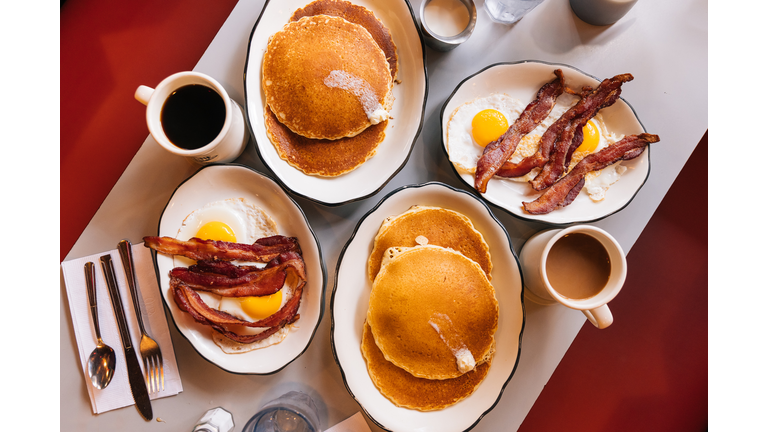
[[509, 11], [291, 412]]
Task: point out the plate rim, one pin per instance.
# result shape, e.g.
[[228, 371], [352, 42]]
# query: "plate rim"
[[521, 216], [336, 280], [394, 173], [320, 256]]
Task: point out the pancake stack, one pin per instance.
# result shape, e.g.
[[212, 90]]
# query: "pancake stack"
[[428, 339], [328, 79]]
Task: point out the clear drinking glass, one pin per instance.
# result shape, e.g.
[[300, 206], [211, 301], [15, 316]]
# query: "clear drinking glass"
[[291, 412], [509, 11]]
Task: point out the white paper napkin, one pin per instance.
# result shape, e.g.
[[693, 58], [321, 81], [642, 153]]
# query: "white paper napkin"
[[118, 392], [356, 423]]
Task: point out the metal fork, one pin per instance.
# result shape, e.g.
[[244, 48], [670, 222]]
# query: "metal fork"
[[150, 351]]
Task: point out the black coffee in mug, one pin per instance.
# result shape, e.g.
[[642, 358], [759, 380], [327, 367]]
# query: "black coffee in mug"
[[193, 116]]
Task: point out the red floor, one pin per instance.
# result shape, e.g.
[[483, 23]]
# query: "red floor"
[[664, 378]]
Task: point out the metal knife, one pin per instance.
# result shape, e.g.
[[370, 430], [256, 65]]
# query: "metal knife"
[[135, 376]]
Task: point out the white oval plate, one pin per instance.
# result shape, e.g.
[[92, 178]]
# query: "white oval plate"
[[407, 112], [349, 305], [218, 182], [522, 80]]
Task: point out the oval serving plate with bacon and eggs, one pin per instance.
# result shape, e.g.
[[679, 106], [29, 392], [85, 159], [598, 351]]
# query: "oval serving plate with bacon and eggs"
[[485, 104], [238, 205]]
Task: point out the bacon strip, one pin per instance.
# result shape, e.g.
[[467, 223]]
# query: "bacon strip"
[[193, 302], [253, 284], [605, 95], [564, 191], [546, 143], [558, 135], [497, 152], [248, 280], [230, 270], [569, 141], [284, 265], [190, 302], [226, 268], [263, 250]]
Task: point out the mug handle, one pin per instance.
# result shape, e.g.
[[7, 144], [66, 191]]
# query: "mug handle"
[[143, 93], [600, 317]]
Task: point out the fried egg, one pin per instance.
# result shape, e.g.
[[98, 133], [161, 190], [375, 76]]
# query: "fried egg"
[[477, 123], [233, 220], [238, 221], [596, 138]]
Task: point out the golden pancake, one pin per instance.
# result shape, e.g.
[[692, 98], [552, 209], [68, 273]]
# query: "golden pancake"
[[432, 311], [441, 227], [358, 15], [326, 158], [407, 391], [326, 78]]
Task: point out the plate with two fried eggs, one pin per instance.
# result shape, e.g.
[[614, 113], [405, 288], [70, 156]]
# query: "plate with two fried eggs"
[[236, 204], [309, 93], [485, 104], [427, 221]]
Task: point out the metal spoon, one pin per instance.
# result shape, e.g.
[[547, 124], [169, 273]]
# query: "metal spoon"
[[101, 362]]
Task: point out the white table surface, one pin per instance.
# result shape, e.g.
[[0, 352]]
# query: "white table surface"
[[663, 44]]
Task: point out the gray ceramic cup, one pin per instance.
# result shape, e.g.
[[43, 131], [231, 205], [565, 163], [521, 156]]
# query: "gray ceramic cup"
[[601, 12]]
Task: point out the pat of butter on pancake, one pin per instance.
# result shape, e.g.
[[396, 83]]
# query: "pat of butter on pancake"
[[346, 81], [444, 328]]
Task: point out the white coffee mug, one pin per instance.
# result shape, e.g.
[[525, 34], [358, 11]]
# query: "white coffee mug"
[[533, 260], [225, 147]]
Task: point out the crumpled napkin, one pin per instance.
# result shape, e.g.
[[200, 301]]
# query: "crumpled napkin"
[[118, 393]]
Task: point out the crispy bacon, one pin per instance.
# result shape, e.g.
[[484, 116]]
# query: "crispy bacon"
[[259, 283], [603, 96], [546, 143], [564, 191], [188, 301], [214, 274], [228, 269], [263, 250], [497, 152], [240, 281], [194, 302], [554, 138], [569, 141]]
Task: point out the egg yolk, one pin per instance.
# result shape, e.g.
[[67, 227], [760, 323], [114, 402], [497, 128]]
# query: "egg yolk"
[[262, 307], [487, 126], [216, 231], [591, 138]]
